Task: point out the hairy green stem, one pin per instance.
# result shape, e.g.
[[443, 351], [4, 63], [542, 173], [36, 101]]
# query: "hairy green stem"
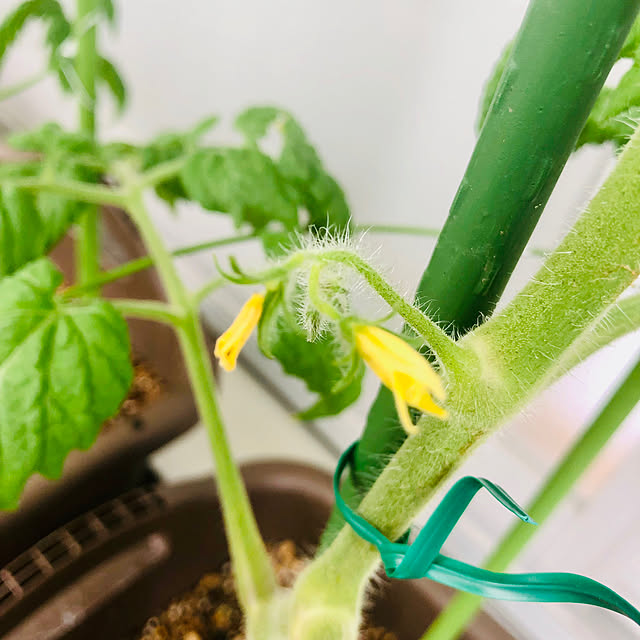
[[620, 319], [437, 340], [516, 351], [140, 264], [87, 244], [510, 176], [464, 606], [255, 579]]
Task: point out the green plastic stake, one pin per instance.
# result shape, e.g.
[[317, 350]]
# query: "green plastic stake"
[[422, 558], [558, 65], [463, 607]]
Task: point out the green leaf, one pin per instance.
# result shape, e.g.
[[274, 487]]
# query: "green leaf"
[[242, 182], [300, 166], [64, 369], [51, 138], [255, 121], [324, 366], [170, 146], [108, 74], [63, 155], [49, 11], [30, 225]]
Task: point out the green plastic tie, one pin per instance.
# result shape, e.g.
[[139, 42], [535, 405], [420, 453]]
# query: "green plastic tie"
[[422, 558]]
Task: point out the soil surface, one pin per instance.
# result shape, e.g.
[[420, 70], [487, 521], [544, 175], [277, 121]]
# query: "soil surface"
[[211, 611], [145, 388]]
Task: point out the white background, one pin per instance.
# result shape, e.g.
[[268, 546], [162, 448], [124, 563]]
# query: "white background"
[[388, 91]]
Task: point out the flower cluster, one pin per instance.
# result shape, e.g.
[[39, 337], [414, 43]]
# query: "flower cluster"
[[322, 306]]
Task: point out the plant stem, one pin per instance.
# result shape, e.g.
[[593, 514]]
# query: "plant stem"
[[517, 351], [161, 172], [430, 232], [87, 244], [72, 189], [140, 264], [206, 290], [15, 89], [148, 310], [255, 579], [621, 319], [463, 607], [86, 64], [508, 181], [441, 344]]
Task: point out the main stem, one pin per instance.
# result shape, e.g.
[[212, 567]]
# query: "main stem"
[[464, 606], [510, 176], [517, 352], [254, 575], [88, 232]]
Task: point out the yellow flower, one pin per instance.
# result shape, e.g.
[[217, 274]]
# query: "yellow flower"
[[412, 380], [230, 343]]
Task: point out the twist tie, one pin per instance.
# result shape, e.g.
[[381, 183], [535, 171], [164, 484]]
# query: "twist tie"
[[422, 558]]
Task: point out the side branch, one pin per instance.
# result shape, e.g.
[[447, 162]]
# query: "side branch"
[[73, 189], [442, 345]]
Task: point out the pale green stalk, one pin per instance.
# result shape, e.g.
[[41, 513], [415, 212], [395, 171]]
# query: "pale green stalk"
[[148, 310], [514, 352], [255, 580], [87, 244], [620, 319], [140, 264]]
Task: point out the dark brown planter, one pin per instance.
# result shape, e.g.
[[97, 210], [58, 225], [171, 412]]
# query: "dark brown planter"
[[103, 575], [117, 461]]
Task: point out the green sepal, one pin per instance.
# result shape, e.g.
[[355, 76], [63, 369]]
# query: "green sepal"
[[330, 369], [65, 369]]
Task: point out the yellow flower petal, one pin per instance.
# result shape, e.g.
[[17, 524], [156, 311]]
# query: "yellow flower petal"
[[230, 343], [404, 371], [403, 410]]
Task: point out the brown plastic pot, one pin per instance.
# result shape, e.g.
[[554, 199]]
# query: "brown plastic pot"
[[117, 461], [107, 572]]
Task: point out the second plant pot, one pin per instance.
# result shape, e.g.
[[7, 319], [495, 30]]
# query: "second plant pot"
[[104, 574]]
